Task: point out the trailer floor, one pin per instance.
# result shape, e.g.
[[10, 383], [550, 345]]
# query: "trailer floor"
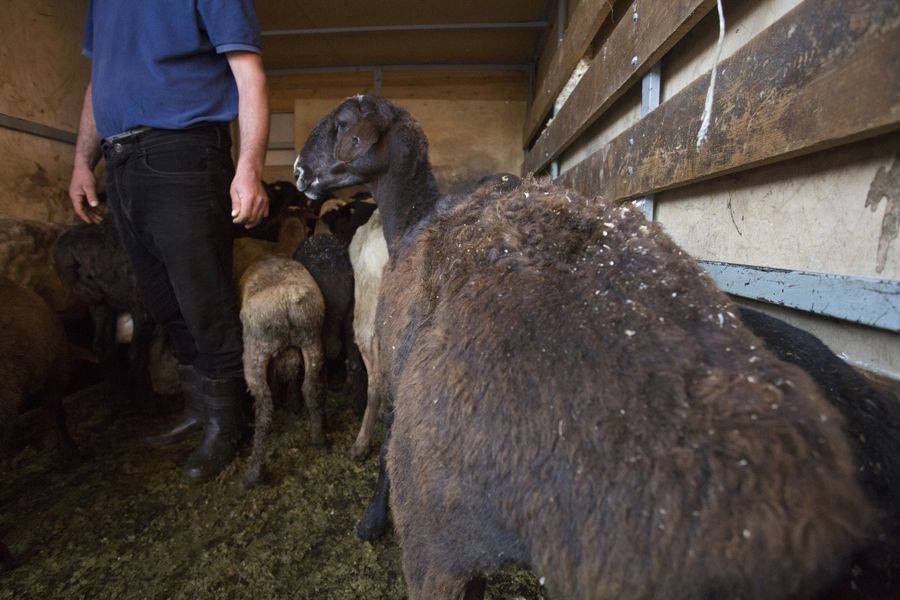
[[124, 524]]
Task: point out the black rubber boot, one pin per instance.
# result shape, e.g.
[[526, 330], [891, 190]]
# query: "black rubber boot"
[[222, 400], [191, 418]]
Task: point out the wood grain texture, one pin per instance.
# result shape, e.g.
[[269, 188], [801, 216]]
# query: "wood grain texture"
[[657, 28], [553, 75], [821, 76]]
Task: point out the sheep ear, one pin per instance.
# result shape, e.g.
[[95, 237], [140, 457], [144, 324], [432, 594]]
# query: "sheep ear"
[[357, 140]]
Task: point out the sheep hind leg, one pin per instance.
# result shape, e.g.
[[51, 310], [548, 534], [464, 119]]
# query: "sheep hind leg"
[[360, 447], [446, 586], [255, 373], [52, 402], [313, 392], [374, 522]]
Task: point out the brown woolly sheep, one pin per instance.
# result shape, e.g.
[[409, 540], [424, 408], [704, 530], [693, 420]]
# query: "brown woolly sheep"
[[26, 258], [282, 311], [34, 370], [572, 393]]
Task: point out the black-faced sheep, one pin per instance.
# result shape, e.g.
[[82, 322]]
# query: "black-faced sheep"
[[284, 198], [872, 422], [346, 219], [328, 261], [90, 259], [282, 311], [572, 393], [34, 370]]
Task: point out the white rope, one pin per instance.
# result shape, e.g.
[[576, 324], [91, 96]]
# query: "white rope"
[[711, 92]]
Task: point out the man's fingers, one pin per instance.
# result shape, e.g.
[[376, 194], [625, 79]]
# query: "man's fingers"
[[91, 194], [79, 210]]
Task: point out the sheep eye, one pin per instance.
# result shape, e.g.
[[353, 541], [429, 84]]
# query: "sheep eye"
[[341, 125]]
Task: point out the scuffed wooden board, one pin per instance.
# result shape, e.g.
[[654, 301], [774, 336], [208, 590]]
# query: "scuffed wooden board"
[[638, 42], [813, 80], [553, 74]]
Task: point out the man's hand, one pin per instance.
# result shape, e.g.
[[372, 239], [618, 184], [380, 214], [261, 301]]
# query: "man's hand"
[[83, 185], [83, 193], [249, 201]]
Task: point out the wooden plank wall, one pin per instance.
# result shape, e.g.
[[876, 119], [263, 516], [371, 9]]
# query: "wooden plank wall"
[[44, 77], [801, 167]]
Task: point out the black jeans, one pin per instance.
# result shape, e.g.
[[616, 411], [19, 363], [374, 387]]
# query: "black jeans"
[[168, 192]]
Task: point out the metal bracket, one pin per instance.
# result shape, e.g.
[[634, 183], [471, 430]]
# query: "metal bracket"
[[651, 86]]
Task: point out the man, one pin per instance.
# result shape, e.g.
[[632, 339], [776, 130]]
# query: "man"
[[167, 77]]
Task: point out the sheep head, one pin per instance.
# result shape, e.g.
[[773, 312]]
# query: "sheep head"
[[346, 147]]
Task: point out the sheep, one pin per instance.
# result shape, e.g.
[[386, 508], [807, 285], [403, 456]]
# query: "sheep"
[[91, 260], [345, 220], [283, 199], [368, 253], [328, 206], [872, 421], [572, 393], [328, 261], [26, 258], [34, 371], [282, 311]]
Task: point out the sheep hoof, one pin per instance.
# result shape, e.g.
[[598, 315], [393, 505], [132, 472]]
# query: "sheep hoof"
[[69, 455], [372, 526], [359, 451], [253, 478], [6, 559]]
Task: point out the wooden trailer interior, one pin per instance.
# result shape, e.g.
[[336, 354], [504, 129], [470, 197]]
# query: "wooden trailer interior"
[[782, 178]]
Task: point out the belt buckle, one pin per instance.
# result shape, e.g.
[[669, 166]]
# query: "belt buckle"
[[125, 135]]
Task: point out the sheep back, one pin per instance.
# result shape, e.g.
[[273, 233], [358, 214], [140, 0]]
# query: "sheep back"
[[277, 294], [573, 393], [327, 260]]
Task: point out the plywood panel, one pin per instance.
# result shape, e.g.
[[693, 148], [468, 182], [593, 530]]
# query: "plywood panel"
[[44, 74], [808, 214], [34, 177], [467, 138], [294, 14]]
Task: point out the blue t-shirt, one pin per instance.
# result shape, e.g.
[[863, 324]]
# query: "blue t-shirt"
[[161, 63]]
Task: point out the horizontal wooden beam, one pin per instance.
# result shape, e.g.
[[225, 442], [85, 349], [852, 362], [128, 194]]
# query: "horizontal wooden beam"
[[821, 76], [38, 129], [552, 77], [864, 300], [637, 43], [406, 28]]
